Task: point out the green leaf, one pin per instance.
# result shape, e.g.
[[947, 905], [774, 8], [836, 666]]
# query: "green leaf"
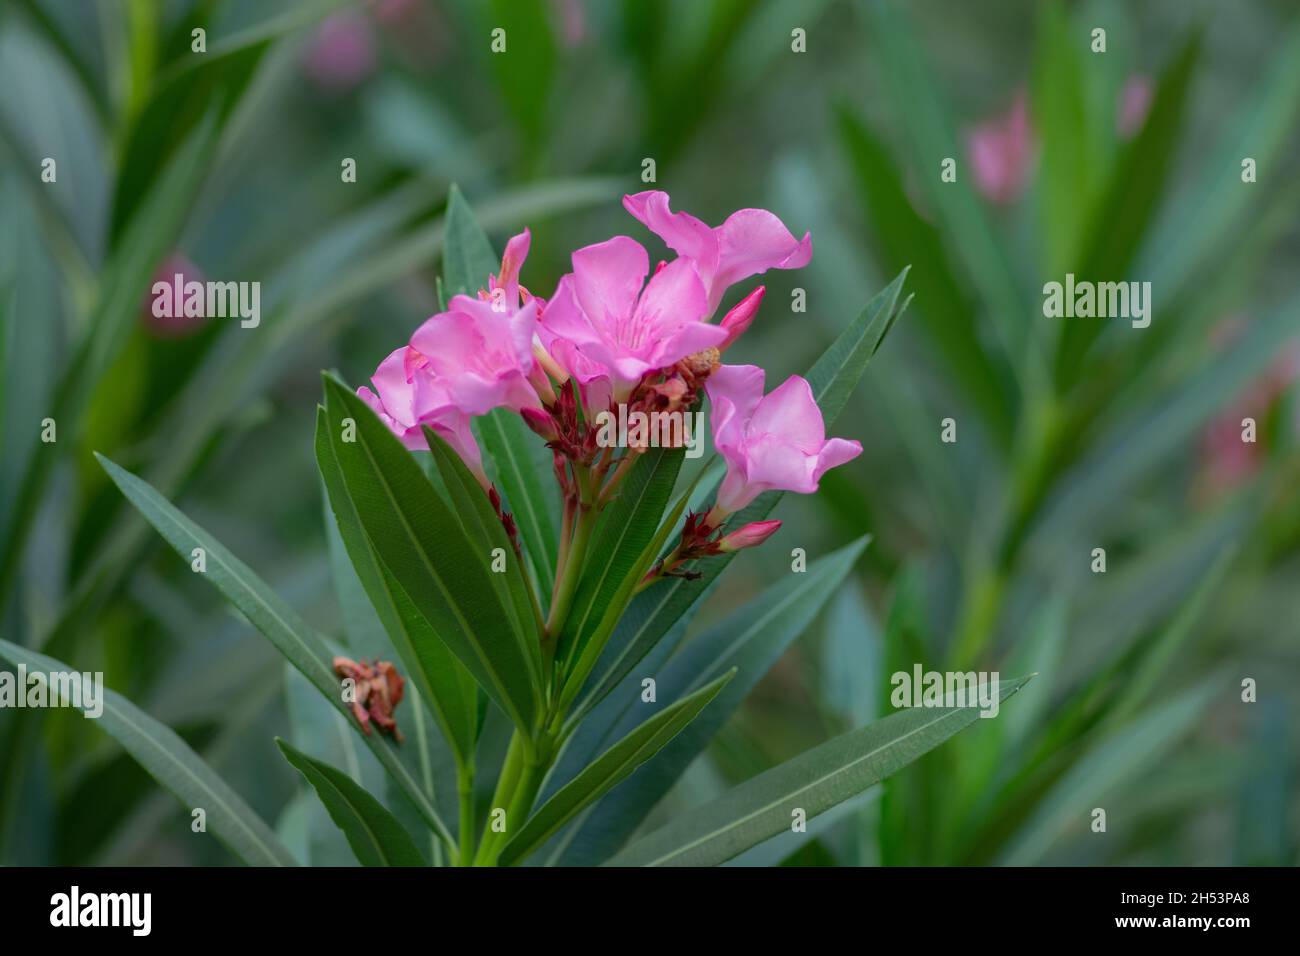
[[467, 258], [611, 767], [1068, 167], [1119, 221], [1148, 435], [619, 556], [208, 84], [316, 727], [947, 315], [483, 527], [425, 547], [442, 681], [1102, 771], [1182, 247], [281, 625], [1143, 681], [813, 782], [521, 470], [373, 833], [750, 640], [961, 217], [171, 762], [116, 310], [837, 371], [526, 70]]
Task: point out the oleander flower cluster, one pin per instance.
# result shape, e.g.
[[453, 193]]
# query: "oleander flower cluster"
[[615, 332]]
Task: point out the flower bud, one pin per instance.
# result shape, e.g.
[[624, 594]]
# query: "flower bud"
[[740, 317], [541, 422], [752, 534]]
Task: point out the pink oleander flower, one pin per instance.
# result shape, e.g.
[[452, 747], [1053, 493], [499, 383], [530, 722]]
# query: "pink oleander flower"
[[477, 354], [1134, 104], [1000, 151], [605, 315], [770, 442], [749, 243], [396, 403]]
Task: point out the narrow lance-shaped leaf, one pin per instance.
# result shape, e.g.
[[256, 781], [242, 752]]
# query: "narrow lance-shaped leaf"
[[426, 549], [467, 259], [813, 782], [281, 625], [750, 640], [440, 677], [616, 561], [611, 767], [948, 316], [1119, 221], [521, 470], [483, 527], [374, 834], [170, 761]]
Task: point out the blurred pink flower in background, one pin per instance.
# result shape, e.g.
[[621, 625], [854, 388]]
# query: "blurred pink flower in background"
[[573, 21], [342, 54], [1001, 151], [1226, 460], [179, 324], [1134, 104]]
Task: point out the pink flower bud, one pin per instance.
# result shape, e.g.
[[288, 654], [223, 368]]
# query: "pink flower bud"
[[751, 535], [739, 318], [541, 422]]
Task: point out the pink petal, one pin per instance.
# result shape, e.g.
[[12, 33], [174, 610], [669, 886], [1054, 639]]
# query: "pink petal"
[[836, 452], [681, 232], [673, 301], [734, 391], [511, 264], [750, 242], [607, 279], [791, 412]]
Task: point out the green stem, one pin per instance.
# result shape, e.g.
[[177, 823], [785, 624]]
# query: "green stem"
[[501, 797], [567, 583], [465, 791]]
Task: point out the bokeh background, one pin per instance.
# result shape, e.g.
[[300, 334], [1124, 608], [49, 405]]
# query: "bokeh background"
[[1071, 435]]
